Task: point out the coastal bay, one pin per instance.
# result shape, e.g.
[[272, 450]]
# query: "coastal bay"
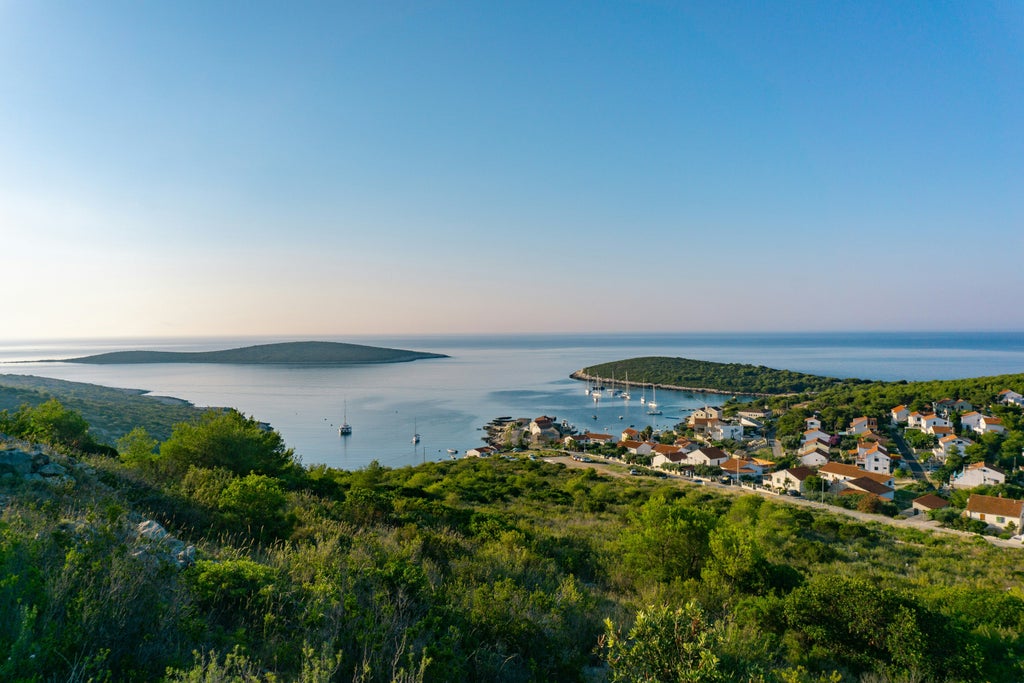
[[448, 400]]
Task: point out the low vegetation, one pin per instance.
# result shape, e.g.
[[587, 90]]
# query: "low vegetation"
[[481, 569], [731, 378], [288, 353]]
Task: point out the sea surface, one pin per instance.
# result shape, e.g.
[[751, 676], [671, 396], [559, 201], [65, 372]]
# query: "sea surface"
[[448, 401]]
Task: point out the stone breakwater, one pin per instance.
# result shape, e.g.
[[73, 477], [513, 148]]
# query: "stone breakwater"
[[582, 376]]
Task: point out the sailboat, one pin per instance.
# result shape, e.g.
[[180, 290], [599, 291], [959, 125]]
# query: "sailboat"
[[415, 434], [652, 405], [345, 429], [643, 394], [625, 389]]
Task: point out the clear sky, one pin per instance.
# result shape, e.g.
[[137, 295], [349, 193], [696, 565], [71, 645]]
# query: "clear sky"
[[325, 169]]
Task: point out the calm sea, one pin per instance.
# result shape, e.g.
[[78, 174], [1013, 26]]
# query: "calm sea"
[[447, 401]]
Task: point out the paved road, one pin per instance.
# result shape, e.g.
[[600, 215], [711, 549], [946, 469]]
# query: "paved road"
[[909, 457], [617, 469]]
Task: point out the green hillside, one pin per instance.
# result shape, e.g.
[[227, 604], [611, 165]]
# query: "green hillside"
[[287, 353], [110, 412], [730, 378], [477, 570]]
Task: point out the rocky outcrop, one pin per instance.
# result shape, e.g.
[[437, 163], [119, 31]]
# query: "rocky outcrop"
[[155, 543], [31, 464]]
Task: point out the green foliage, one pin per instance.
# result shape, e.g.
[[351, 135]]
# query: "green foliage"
[[727, 377], [850, 622], [478, 570], [50, 423], [137, 448], [229, 440], [255, 503], [666, 540], [665, 644]]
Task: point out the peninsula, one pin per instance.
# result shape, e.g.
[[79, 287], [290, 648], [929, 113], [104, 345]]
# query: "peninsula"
[[684, 374], [288, 353]]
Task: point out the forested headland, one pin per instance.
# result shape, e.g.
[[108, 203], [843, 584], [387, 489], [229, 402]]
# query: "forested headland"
[[699, 375], [491, 569], [290, 353]]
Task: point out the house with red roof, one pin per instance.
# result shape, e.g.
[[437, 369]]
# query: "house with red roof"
[[928, 503], [841, 475], [996, 511]]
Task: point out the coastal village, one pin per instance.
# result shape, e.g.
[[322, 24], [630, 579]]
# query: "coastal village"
[[867, 464]]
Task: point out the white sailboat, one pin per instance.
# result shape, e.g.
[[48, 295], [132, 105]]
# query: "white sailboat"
[[652, 405], [415, 434], [345, 429], [625, 389], [643, 394]]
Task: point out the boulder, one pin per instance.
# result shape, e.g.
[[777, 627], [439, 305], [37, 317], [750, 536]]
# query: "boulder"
[[15, 461], [151, 530], [52, 469]]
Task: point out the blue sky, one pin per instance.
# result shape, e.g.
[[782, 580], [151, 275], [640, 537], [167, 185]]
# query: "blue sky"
[[198, 168]]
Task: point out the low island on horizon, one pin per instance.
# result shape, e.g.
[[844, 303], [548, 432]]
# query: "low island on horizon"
[[285, 353]]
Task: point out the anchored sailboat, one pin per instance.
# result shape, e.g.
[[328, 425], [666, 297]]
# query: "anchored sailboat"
[[652, 405], [345, 429]]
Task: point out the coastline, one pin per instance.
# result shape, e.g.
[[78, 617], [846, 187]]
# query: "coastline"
[[580, 375]]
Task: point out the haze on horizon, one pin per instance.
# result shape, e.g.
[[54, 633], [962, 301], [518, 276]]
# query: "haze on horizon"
[[326, 169]]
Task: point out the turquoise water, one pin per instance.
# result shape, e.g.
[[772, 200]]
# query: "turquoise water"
[[447, 400]]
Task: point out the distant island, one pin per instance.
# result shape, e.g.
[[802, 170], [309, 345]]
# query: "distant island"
[[685, 374], [287, 353]]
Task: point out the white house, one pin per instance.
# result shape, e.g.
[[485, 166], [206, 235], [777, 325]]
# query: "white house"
[[813, 458], [629, 434], [927, 423], [899, 414], [708, 413], [874, 459], [661, 459], [862, 425], [867, 485], [995, 511], [838, 472], [991, 425], [743, 467], [812, 434], [978, 474], [1009, 396], [591, 438], [709, 455], [971, 420], [949, 405], [812, 423], [785, 480], [724, 430], [481, 452], [637, 447], [948, 443]]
